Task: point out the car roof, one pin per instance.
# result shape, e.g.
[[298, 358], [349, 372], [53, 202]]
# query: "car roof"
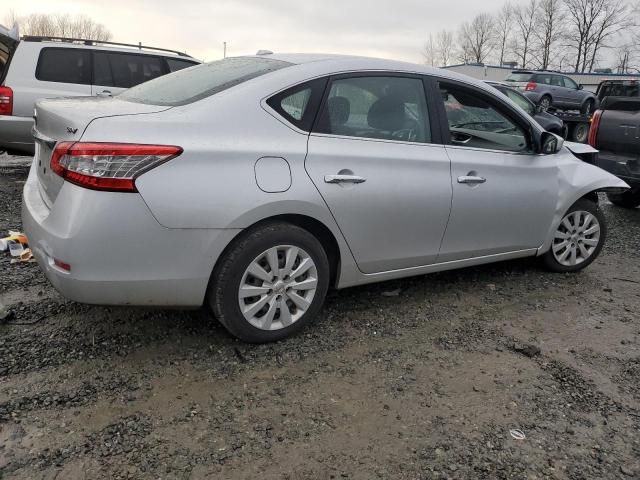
[[337, 63], [122, 48]]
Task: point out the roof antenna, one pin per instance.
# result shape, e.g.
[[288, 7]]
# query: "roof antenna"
[[264, 52]]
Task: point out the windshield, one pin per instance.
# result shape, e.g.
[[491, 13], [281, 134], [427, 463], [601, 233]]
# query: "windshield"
[[521, 101], [519, 77], [195, 83]]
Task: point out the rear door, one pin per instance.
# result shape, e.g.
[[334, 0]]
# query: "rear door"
[[504, 196], [114, 72], [379, 165]]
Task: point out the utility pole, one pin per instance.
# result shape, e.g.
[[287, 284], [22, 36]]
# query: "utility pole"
[[224, 54]]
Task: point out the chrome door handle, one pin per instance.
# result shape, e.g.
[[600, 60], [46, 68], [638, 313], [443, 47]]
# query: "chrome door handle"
[[471, 180], [104, 93], [344, 179]]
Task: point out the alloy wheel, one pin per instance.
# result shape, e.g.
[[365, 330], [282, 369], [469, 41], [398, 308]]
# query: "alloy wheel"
[[576, 238], [277, 287]]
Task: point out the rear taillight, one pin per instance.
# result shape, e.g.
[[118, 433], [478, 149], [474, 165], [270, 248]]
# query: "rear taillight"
[[530, 86], [108, 166], [6, 100], [593, 129]]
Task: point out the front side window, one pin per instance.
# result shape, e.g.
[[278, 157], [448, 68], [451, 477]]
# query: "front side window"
[[570, 83], [192, 84], [477, 121], [387, 108], [64, 65]]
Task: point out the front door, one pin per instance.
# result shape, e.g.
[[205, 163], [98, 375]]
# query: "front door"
[[504, 196], [386, 184]]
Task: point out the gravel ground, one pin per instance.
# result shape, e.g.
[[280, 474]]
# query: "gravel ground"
[[421, 378]]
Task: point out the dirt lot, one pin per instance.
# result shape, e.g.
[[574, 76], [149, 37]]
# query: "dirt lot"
[[420, 378]]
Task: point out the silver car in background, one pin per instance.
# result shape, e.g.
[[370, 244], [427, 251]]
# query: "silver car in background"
[[254, 184]]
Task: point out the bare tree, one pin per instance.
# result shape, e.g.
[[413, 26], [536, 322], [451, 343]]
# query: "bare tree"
[[547, 32], [504, 25], [525, 19], [583, 15], [476, 38], [430, 52], [444, 44], [613, 19], [79, 26]]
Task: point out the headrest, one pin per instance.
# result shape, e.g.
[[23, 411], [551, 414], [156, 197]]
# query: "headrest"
[[387, 114], [339, 110]]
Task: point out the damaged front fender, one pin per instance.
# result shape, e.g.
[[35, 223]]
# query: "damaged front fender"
[[576, 179]]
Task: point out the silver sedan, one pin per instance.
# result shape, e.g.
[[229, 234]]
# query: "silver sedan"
[[254, 184]]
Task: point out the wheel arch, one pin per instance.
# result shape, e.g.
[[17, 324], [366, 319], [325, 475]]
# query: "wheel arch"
[[317, 228]]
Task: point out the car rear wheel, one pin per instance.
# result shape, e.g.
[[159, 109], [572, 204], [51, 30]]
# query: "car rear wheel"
[[578, 239], [628, 199], [270, 283], [545, 102]]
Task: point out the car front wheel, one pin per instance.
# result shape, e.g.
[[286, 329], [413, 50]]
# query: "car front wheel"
[[270, 283], [578, 239]]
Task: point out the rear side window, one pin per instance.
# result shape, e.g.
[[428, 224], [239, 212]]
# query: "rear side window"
[[379, 107], [131, 70], [64, 65], [298, 105], [175, 64], [193, 84]]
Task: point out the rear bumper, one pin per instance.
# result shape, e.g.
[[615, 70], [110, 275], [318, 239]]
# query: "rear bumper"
[[623, 168], [119, 254], [15, 134]]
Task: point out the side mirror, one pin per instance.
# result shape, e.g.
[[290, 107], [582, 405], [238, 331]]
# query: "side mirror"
[[550, 143], [580, 87]]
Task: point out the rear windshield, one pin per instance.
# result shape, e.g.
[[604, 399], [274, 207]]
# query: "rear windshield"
[[619, 89], [519, 77], [193, 84]]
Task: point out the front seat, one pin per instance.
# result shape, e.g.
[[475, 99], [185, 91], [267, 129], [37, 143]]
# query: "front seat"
[[387, 115]]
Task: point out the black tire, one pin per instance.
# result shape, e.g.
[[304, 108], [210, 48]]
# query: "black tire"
[[588, 106], [222, 294], [549, 258], [545, 102], [580, 132], [628, 199]]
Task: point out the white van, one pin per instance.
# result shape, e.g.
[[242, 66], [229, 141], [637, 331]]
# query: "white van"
[[32, 68]]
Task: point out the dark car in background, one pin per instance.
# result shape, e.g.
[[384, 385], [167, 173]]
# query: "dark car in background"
[[615, 132], [618, 88], [551, 89], [549, 122]]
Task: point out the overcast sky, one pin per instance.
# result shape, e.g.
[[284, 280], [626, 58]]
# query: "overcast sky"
[[382, 28]]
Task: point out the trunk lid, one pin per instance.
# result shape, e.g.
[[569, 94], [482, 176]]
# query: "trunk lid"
[[65, 120]]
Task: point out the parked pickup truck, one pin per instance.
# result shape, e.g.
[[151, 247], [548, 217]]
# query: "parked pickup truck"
[[615, 132]]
